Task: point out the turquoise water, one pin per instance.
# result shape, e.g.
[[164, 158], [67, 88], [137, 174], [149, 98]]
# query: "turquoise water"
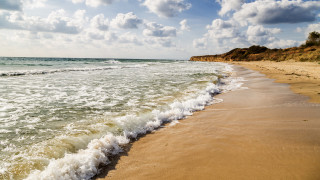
[[62, 117]]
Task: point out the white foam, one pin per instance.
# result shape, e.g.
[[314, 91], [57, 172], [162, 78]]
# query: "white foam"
[[3, 167], [30, 126], [173, 123], [9, 148], [84, 164], [113, 61], [5, 131], [21, 138], [4, 142], [136, 66], [40, 72]]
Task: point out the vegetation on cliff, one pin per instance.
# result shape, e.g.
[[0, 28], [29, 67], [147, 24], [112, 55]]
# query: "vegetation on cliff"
[[313, 39], [310, 51]]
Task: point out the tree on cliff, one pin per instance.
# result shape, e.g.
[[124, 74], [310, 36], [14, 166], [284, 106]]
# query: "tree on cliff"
[[313, 39]]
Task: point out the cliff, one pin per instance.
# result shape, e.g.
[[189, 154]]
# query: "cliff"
[[258, 53]]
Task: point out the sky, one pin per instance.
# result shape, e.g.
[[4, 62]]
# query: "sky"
[[156, 29]]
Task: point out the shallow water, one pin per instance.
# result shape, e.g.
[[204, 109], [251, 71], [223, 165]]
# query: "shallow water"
[[61, 118]]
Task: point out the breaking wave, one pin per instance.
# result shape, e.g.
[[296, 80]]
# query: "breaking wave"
[[42, 72], [113, 61]]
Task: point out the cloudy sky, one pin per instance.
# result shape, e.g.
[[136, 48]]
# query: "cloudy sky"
[[174, 29]]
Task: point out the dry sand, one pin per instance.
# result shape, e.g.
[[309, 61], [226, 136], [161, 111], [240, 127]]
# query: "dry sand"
[[303, 77], [263, 132]]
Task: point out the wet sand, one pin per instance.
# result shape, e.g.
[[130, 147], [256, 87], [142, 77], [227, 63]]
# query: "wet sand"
[[263, 132]]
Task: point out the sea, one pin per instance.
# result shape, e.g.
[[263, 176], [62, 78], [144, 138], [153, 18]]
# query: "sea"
[[64, 118]]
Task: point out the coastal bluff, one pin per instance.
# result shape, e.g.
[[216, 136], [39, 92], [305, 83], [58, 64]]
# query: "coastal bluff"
[[259, 53]]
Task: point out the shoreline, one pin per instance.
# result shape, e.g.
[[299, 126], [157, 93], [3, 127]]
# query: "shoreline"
[[269, 133]]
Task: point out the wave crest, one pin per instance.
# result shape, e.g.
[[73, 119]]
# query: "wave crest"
[[112, 61], [42, 72]]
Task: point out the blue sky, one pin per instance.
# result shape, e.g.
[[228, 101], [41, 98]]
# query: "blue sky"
[[172, 29]]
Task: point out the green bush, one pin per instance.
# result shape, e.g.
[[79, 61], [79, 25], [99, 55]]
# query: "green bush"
[[313, 39]]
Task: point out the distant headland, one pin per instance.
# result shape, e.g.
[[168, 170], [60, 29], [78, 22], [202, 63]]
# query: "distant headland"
[[309, 51]]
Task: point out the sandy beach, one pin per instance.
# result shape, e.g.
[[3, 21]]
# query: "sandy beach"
[[303, 77], [263, 132]]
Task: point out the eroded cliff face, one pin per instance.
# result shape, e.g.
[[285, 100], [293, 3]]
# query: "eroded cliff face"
[[258, 53], [215, 58]]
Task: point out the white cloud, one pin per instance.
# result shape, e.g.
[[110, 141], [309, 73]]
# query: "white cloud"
[[110, 36], [95, 34], [166, 42], [57, 21], [266, 36], [47, 35], [130, 38], [221, 36], [184, 26], [93, 3], [219, 24], [158, 30], [126, 21], [274, 12], [27, 35], [99, 22], [91, 35], [200, 43], [34, 3], [220, 29], [259, 30], [77, 1], [280, 43], [79, 19], [229, 5], [313, 27], [166, 8], [8, 20], [261, 35], [97, 3], [163, 42]]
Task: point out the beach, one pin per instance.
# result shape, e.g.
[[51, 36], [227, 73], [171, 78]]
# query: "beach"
[[262, 131], [159, 89]]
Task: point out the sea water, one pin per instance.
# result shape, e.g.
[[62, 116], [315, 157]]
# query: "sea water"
[[62, 118]]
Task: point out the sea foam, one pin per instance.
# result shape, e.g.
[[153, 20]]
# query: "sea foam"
[[113, 61], [51, 71]]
